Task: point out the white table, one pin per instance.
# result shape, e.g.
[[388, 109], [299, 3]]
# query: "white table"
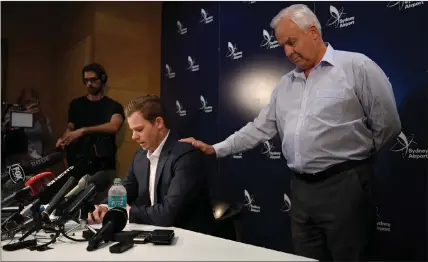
[[187, 245]]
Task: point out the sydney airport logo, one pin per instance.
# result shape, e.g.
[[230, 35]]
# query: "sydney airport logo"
[[404, 145], [169, 73], [287, 204], [269, 41], [192, 64], [250, 203], [204, 105], [180, 28], [237, 156], [339, 19], [403, 5], [205, 18], [233, 52], [381, 226], [268, 150], [180, 109]]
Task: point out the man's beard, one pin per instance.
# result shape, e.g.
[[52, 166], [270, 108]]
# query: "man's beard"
[[94, 90]]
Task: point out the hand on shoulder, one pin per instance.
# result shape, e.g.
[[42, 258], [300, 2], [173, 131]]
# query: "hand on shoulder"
[[205, 148]]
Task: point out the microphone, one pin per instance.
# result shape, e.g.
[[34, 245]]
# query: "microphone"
[[114, 221], [83, 182], [83, 166], [97, 183], [16, 172], [19, 218], [15, 222], [9, 188], [38, 183], [70, 196], [32, 187], [29, 208], [57, 198]]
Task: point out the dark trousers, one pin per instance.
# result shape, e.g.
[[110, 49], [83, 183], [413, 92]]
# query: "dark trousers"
[[334, 219]]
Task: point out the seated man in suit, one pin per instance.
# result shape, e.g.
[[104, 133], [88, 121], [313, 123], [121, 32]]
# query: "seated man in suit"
[[166, 182]]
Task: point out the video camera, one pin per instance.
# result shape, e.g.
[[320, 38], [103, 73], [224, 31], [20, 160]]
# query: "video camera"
[[16, 115], [15, 119]]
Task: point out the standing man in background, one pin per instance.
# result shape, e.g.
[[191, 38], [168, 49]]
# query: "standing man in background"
[[94, 116], [24, 144], [333, 112], [40, 139]]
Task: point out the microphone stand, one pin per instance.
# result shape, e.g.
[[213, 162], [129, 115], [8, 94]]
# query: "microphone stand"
[[13, 217], [82, 220], [87, 207], [37, 219], [16, 219]]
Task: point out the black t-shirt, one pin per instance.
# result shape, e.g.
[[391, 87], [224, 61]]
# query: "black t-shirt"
[[85, 113]]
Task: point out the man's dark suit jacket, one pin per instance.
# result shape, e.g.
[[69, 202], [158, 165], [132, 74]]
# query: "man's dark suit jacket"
[[181, 189]]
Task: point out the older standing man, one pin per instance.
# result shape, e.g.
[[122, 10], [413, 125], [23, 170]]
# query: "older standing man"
[[333, 112]]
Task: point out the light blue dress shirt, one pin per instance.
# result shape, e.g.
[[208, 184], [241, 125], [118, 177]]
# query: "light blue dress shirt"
[[345, 110]]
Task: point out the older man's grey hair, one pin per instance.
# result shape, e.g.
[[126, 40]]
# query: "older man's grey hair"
[[299, 14]]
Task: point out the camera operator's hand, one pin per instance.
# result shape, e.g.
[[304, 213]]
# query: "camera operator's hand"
[[69, 137], [60, 142], [32, 108], [36, 110]]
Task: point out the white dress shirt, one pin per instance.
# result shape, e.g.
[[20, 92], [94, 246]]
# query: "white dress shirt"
[[153, 159]]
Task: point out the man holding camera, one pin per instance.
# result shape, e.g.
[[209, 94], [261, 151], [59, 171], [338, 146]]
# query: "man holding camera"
[[40, 135], [95, 118]]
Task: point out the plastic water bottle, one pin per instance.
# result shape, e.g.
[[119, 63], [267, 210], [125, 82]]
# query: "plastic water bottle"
[[117, 195]]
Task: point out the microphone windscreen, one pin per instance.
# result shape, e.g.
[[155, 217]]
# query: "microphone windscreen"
[[38, 182], [46, 161], [83, 182], [101, 180], [118, 216]]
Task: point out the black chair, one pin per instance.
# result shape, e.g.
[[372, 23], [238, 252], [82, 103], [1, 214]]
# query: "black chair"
[[227, 217]]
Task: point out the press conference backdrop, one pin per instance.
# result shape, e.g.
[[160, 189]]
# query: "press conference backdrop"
[[220, 63]]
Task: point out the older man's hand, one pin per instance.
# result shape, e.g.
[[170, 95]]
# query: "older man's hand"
[[205, 148]]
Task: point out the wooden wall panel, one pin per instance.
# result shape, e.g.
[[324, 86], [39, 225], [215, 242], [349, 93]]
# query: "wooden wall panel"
[[51, 41], [30, 50], [127, 41], [123, 97], [70, 83], [125, 155]]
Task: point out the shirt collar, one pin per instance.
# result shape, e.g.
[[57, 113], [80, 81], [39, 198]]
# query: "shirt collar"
[[158, 150], [329, 55], [328, 58]]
